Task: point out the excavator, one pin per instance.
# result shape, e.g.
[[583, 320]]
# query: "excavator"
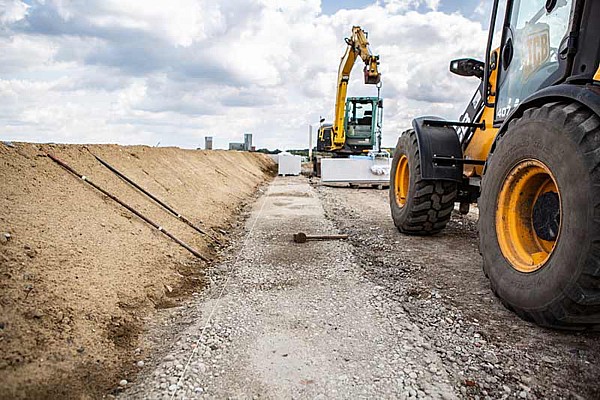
[[357, 120], [527, 152]]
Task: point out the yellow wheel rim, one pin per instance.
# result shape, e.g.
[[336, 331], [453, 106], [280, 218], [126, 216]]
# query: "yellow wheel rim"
[[402, 178], [527, 186]]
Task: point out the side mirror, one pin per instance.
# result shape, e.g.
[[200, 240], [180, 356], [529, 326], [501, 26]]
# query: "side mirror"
[[467, 67]]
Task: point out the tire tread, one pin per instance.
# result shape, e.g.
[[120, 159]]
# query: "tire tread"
[[433, 201], [579, 307]]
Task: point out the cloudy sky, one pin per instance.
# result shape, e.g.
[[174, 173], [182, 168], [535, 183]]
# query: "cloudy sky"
[[173, 71]]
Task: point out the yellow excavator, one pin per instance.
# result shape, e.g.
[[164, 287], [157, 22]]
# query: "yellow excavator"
[[357, 120], [527, 151]]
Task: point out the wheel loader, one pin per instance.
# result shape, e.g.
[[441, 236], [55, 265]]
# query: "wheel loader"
[[527, 151]]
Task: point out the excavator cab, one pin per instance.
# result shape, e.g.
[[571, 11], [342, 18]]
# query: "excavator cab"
[[360, 123]]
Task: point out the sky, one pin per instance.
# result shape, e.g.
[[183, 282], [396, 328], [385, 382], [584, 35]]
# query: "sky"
[[171, 72]]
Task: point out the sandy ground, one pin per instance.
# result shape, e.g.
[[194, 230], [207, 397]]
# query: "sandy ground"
[[379, 316], [79, 275]]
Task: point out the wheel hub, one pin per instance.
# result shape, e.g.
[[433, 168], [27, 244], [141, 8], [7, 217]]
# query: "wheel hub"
[[546, 216], [528, 216], [402, 179]]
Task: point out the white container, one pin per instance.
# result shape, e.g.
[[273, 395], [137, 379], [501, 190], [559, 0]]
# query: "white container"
[[358, 170], [289, 164]]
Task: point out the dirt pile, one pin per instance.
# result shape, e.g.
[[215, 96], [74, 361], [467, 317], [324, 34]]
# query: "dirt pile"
[[78, 273]]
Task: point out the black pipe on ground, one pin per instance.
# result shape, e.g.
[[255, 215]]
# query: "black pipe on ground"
[[154, 198], [128, 207]]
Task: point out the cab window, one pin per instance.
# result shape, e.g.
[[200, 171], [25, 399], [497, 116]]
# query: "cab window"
[[360, 119], [530, 51]]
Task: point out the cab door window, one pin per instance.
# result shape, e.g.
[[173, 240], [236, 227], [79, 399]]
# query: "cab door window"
[[530, 52], [360, 119]]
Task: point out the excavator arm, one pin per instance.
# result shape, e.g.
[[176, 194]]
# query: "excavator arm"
[[358, 47]]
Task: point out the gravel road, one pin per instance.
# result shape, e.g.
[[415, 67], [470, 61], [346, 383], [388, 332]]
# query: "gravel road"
[[381, 315], [439, 282]]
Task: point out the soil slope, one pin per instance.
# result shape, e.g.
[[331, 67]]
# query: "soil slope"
[[79, 273]]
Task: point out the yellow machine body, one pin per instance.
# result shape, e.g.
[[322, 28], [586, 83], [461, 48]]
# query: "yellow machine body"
[[481, 142]]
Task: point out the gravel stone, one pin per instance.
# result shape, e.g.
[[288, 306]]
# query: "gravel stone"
[[398, 316]]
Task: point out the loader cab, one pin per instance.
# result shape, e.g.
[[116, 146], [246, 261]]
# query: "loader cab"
[[540, 46], [360, 122]]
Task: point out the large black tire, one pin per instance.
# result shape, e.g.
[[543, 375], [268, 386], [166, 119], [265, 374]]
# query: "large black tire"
[[565, 291], [429, 203]]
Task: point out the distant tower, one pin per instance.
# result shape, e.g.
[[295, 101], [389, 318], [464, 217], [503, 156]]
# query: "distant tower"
[[208, 142], [247, 141]]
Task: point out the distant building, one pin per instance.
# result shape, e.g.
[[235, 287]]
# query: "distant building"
[[208, 142], [247, 141], [236, 146]]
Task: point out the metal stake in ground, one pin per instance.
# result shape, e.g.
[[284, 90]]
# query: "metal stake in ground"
[[128, 207], [302, 237], [157, 200]]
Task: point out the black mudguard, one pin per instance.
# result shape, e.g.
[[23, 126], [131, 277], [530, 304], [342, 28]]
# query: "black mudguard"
[[441, 142]]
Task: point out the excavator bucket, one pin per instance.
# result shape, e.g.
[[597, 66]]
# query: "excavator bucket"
[[371, 78], [371, 71]]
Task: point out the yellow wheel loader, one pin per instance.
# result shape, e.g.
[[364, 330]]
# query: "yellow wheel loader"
[[527, 151]]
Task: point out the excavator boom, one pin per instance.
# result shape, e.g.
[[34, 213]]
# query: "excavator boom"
[[358, 47]]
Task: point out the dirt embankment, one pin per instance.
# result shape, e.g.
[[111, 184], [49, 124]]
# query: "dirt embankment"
[[79, 273]]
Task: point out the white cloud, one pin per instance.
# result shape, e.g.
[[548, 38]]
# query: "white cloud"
[[12, 11], [396, 6], [25, 52], [144, 71]]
